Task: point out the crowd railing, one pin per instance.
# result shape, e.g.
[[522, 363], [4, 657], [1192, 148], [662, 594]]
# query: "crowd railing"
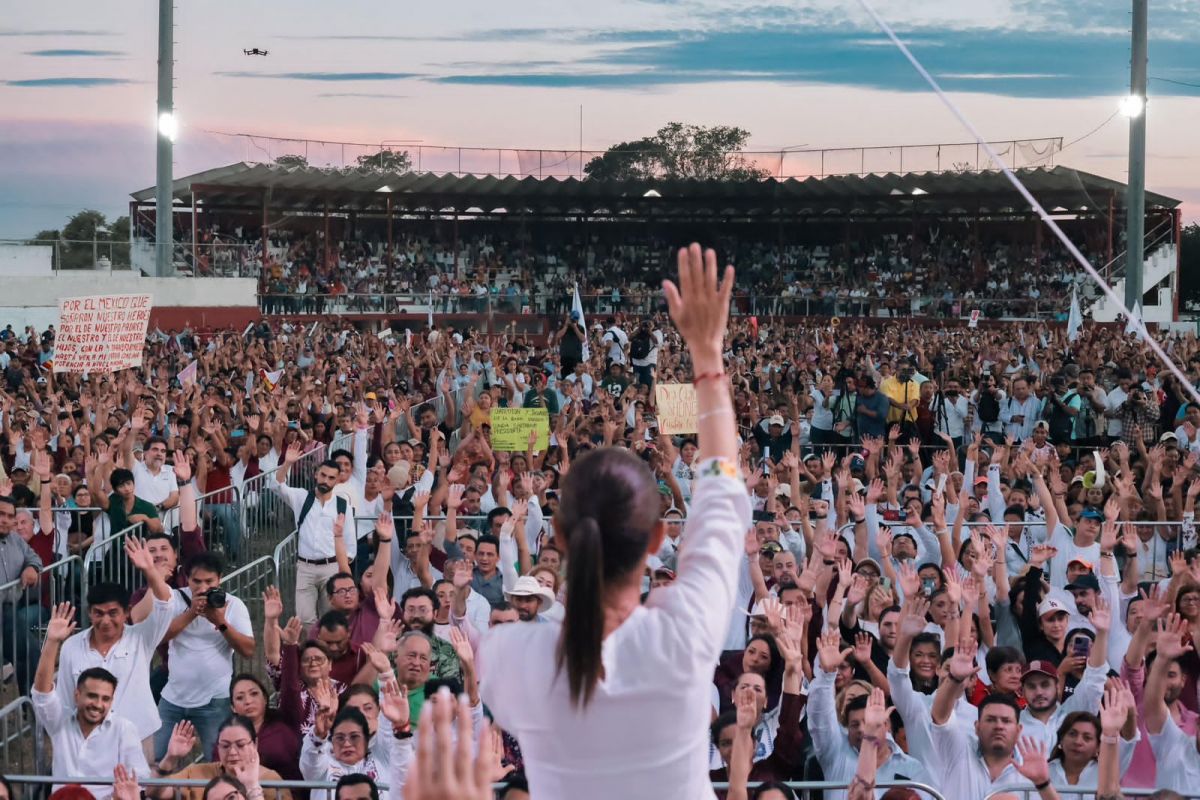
[[111, 565], [1025, 793], [21, 743], [247, 583], [284, 559], [645, 304], [25, 612]]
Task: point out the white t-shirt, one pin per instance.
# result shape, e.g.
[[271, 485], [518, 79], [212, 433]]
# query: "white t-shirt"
[[201, 659], [643, 735], [617, 342], [1173, 746], [1063, 539], [155, 489]]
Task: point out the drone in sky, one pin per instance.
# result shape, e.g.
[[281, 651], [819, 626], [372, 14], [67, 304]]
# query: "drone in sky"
[[254, 51]]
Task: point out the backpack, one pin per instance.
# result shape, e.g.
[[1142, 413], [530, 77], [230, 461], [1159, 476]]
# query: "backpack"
[[308, 504], [989, 407], [1061, 423], [640, 347]]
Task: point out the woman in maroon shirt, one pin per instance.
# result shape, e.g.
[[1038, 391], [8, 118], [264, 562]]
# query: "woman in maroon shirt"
[[278, 742]]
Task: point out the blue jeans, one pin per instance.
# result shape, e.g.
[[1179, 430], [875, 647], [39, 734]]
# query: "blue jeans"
[[207, 720], [22, 641], [231, 521]]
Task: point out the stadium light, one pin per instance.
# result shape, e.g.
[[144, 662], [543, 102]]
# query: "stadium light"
[[385, 189], [1133, 105], [919, 191], [652, 193], [168, 126]]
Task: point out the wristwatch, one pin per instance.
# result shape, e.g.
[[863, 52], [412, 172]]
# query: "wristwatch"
[[222, 627]]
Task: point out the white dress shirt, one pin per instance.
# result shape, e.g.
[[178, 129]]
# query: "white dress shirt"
[[643, 735], [1086, 697], [315, 537], [839, 761], [201, 658], [155, 489], [1173, 746], [114, 741], [128, 660], [1089, 778], [964, 774]]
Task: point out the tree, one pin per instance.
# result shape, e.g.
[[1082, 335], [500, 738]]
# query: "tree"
[[291, 160], [1189, 269], [77, 236], [678, 150], [386, 161]]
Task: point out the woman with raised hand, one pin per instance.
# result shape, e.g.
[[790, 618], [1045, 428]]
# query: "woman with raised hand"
[[614, 701]]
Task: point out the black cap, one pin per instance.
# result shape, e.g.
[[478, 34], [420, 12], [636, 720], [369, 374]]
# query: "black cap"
[[1085, 581]]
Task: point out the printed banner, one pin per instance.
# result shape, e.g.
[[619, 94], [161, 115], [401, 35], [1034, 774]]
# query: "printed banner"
[[101, 333], [974, 320], [511, 427], [676, 408]]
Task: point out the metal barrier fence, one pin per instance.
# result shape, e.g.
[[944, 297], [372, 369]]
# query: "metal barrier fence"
[[20, 738], [109, 564], [284, 558], [1025, 793], [264, 517], [248, 584], [25, 610], [219, 515]]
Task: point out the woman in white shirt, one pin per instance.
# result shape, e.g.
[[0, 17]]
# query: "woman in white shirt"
[[614, 702]]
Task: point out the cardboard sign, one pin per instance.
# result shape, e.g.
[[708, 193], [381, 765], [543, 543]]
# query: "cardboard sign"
[[187, 375], [973, 322], [676, 404], [511, 427], [101, 333]]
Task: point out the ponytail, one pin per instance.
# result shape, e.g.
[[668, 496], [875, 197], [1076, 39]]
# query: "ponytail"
[[579, 646]]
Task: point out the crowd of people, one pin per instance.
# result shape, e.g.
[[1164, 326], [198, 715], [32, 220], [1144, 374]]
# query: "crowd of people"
[[909, 561], [936, 271]]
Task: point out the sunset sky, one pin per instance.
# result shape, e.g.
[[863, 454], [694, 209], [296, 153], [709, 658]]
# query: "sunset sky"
[[77, 82]]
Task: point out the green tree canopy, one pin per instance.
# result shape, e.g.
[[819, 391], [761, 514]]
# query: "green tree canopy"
[[386, 161], [291, 160], [679, 150]]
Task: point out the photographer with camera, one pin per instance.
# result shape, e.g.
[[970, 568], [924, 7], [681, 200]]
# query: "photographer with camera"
[[986, 401], [209, 626], [571, 340]]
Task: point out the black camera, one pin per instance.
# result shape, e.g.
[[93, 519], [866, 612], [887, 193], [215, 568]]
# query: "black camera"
[[215, 597]]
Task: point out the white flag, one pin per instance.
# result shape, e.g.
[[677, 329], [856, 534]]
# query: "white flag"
[[430, 320], [1075, 318], [1132, 324], [577, 315]]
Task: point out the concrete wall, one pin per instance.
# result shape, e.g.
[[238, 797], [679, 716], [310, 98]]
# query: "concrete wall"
[[201, 302], [26, 259]]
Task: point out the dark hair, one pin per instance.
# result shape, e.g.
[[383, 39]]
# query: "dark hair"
[[719, 724], [207, 561], [238, 721], [329, 462], [332, 620], [778, 786], [487, 538], [356, 689], [248, 676], [336, 454], [1068, 721], [502, 605], [312, 644], [997, 657], [223, 778], [609, 510], [108, 593], [498, 511], [153, 536], [334, 579], [120, 476], [153, 440], [434, 684], [928, 638], [356, 779], [420, 591], [355, 717], [96, 674], [423, 408], [1000, 699]]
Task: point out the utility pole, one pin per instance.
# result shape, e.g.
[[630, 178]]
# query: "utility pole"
[[163, 227], [1135, 192]]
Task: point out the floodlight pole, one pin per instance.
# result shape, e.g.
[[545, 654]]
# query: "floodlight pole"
[[163, 228], [1135, 192]]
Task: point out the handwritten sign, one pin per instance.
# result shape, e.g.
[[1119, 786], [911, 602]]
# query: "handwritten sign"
[[973, 322], [676, 408], [101, 333], [511, 427]]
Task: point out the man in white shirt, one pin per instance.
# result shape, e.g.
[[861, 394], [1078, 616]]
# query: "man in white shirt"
[[88, 739], [950, 410], [126, 651], [1114, 401], [315, 511], [1020, 411], [208, 627], [617, 340], [973, 765], [153, 480], [1170, 744]]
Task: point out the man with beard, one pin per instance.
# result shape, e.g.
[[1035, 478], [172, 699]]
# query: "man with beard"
[[92, 740], [530, 599], [123, 650], [316, 512], [419, 608]]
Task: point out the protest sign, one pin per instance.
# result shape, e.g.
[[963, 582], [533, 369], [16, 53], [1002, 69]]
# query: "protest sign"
[[676, 408], [511, 427], [187, 375], [973, 322], [101, 333]]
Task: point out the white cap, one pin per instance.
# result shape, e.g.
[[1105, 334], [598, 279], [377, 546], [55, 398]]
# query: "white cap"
[[1052, 605]]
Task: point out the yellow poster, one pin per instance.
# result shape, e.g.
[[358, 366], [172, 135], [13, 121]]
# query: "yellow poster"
[[511, 427], [676, 408]]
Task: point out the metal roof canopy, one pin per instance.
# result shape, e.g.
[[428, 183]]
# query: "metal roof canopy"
[[310, 189]]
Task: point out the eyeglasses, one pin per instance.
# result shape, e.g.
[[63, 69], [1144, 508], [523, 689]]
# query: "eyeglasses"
[[225, 747], [307, 660], [345, 591], [347, 738], [1190, 600]]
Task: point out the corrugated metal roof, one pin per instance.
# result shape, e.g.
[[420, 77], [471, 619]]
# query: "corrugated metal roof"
[[311, 189]]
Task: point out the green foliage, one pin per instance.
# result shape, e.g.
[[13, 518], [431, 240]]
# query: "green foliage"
[[291, 160], [386, 161], [679, 150]]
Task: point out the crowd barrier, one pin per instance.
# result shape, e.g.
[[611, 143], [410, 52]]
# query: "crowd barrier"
[[248, 583], [25, 611], [111, 565], [21, 745], [284, 559], [1024, 793]]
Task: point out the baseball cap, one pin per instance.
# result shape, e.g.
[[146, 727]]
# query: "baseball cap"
[[775, 419], [1041, 423], [785, 490], [665, 571], [1040, 667], [1092, 513], [771, 548], [1169, 436], [1085, 581], [1052, 605]]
